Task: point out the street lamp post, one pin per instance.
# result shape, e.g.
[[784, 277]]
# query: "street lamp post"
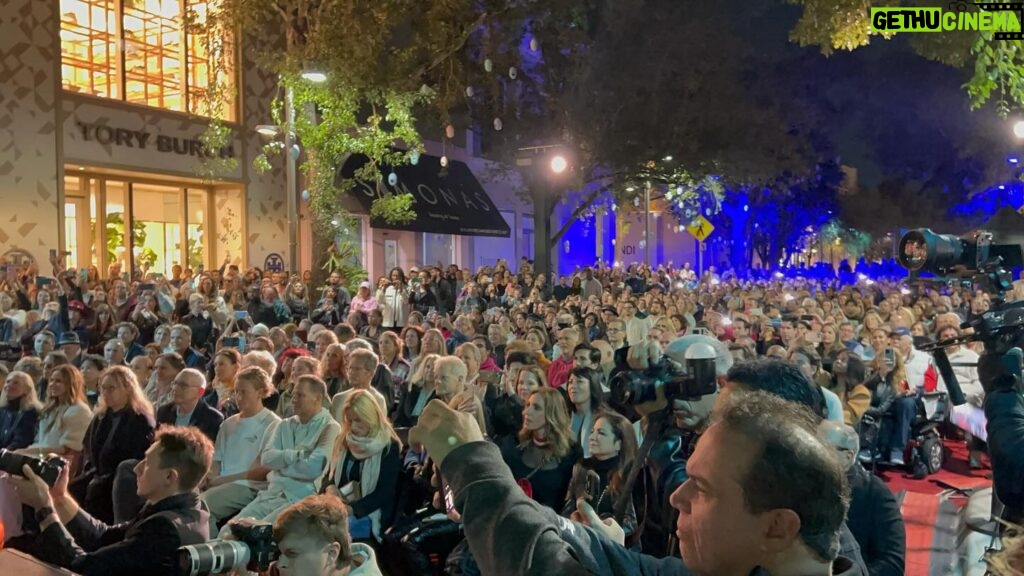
[[291, 179]]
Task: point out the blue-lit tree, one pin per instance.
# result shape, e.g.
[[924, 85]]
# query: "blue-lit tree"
[[771, 221]]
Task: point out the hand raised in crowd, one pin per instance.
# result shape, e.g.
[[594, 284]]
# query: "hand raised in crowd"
[[441, 430], [609, 528]]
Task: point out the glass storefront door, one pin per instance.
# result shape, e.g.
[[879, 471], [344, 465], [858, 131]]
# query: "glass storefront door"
[[123, 225]]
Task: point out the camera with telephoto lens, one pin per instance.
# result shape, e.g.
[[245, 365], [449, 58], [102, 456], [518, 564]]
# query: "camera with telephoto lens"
[[46, 468], [668, 380], [254, 549]]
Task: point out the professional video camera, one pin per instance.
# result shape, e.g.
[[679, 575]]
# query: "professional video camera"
[[973, 262], [667, 380], [254, 548], [46, 468]]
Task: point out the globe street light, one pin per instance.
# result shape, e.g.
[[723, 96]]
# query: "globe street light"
[[315, 76], [1018, 129], [559, 164]]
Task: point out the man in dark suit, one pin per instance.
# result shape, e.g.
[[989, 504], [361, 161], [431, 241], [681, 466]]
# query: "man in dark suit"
[[147, 544], [874, 516], [186, 409]]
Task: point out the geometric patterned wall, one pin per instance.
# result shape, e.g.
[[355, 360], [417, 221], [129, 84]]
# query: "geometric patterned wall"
[[266, 199], [29, 167]]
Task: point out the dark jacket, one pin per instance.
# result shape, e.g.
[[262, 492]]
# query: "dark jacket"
[[1004, 410], [876, 523], [510, 534], [146, 545], [110, 439], [204, 417], [17, 427]]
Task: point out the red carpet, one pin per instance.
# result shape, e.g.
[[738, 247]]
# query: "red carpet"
[[922, 502]]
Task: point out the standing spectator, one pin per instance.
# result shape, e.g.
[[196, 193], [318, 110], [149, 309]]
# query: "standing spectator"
[[363, 302], [393, 300]]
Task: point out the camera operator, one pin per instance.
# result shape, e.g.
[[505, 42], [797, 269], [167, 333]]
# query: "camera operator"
[[1004, 411], [765, 496], [174, 465], [676, 435], [313, 539]]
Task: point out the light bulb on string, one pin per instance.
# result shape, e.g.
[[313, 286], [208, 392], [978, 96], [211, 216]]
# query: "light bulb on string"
[[488, 65], [449, 131], [469, 92], [513, 73], [392, 179], [498, 125], [414, 157], [534, 44], [444, 161], [305, 195]]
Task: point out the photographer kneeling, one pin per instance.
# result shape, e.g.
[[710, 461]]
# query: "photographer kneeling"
[[313, 540], [174, 465]]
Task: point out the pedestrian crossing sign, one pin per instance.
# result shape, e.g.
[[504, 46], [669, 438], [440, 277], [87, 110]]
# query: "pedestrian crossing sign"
[[700, 228]]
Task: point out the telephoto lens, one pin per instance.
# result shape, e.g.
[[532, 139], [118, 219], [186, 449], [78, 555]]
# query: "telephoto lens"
[[214, 557]]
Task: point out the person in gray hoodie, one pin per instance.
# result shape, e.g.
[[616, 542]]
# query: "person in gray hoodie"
[[313, 539], [764, 497], [298, 453]]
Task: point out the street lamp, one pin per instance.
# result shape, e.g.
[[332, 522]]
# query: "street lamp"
[[559, 164], [291, 161], [315, 76], [1018, 129]]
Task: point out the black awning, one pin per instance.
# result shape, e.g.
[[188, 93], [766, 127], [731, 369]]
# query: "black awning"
[[446, 202]]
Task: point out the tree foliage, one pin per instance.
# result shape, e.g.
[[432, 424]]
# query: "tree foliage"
[[996, 67]]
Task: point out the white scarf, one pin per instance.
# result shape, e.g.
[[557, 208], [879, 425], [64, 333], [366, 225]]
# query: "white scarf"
[[369, 450]]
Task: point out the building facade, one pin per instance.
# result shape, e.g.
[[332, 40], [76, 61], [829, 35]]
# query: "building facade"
[[103, 106]]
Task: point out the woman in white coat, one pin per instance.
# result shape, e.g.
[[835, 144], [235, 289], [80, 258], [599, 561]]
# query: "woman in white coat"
[[393, 300]]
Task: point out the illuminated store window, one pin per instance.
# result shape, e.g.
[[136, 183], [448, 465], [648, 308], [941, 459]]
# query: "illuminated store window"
[[88, 43], [164, 62]]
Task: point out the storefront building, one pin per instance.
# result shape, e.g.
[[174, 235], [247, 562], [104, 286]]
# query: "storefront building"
[[102, 105]]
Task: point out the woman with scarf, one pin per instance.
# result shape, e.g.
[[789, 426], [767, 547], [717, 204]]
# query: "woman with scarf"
[[365, 467]]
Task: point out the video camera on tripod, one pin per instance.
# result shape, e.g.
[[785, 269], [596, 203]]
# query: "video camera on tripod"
[[973, 262]]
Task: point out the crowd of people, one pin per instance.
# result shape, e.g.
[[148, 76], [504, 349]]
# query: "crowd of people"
[[181, 403]]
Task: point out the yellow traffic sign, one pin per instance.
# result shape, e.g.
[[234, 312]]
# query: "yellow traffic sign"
[[700, 228]]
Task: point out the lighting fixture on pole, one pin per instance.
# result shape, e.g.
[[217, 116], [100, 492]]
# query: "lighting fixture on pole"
[[315, 76], [291, 180]]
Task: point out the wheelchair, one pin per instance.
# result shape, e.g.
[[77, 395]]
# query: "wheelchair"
[[924, 453]]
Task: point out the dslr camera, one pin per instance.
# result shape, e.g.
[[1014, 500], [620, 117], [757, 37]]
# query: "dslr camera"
[[652, 389], [253, 547], [48, 469]]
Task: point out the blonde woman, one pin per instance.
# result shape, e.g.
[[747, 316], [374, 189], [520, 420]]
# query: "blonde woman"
[[420, 390], [19, 411], [122, 429], [65, 416], [333, 368], [433, 343], [366, 465]]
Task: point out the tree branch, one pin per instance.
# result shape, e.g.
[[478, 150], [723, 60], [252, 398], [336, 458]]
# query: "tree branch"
[[576, 214], [459, 45]]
